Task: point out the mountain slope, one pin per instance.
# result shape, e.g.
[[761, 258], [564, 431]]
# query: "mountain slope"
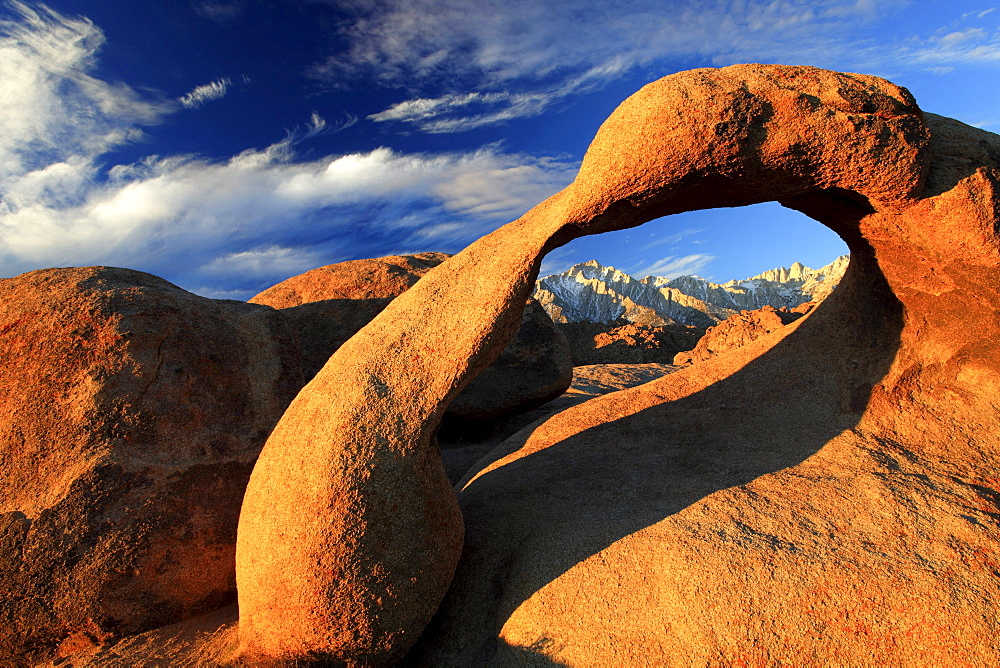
[[591, 292]]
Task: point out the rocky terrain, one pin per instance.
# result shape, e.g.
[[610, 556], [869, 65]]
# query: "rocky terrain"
[[825, 494], [134, 412], [624, 342], [328, 305], [590, 292], [740, 330]]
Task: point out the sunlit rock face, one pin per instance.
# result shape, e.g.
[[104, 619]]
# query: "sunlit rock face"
[[739, 330], [624, 342], [133, 412], [591, 292], [825, 494], [328, 305], [822, 494]]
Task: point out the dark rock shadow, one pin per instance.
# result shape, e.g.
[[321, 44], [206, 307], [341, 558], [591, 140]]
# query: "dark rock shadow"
[[531, 520]]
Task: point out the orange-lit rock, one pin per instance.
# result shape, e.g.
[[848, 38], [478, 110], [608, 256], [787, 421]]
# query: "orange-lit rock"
[[328, 305], [133, 412], [349, 532], [823, 495], [379, 278], [738, 330]]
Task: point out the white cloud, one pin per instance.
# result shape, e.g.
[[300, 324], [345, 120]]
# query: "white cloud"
[[421, 108], [672, 266], [52, 110], [674, 239], [220, 12], [259, 216], [519, 57], [557, 261], [215, 90], [501, 188], [940, 53], [265, 262], [219, 220], [457, 113], [470, 64]]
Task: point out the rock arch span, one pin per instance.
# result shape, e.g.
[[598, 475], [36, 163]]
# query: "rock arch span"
[[349, 534]]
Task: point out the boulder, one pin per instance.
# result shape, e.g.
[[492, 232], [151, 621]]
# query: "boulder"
[[328, 305], [823, 494], [380, 278], [133, 412], [738, 330], [624, 342]]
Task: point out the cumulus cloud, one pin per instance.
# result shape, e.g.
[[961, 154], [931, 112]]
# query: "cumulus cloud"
[[215, 90], [260, 216], [222, 227], [672, 266]]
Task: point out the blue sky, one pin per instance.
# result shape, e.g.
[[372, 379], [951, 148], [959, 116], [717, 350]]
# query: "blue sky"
[[227, 145]]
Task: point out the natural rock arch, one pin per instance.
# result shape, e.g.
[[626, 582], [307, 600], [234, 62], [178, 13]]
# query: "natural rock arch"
[[349, 533]]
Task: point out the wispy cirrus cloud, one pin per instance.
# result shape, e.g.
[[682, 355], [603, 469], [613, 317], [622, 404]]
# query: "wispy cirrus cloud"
[[456, 113], [675, 238], [56, 116], [473, 64], [673, 266], [499, 61], [216, 90], [220, 12], [968, 46]]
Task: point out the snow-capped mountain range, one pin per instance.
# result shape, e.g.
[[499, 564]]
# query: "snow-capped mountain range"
[[595, 293]]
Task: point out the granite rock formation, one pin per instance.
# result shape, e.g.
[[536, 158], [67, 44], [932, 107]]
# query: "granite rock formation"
[[211, 639], [328, 305], [829, 496], [624, 342], [381, 278], [534, 368], [133, 412], [739, 330]]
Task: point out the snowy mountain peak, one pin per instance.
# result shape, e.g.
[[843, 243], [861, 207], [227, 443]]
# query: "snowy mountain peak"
[[593, 292]]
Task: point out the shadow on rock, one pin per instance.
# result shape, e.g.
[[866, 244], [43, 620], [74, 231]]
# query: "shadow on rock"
[[615, 466]]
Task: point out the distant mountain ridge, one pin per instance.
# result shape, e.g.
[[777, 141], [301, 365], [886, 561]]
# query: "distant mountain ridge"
[[591, 292]]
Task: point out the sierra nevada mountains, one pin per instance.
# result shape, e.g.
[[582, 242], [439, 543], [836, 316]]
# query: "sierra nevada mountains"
[[592, 292]]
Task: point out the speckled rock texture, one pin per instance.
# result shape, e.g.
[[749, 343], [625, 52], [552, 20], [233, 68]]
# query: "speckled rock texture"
[[211, 639], [132, 414], [824, 495], [328, 305], [738, 330]]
